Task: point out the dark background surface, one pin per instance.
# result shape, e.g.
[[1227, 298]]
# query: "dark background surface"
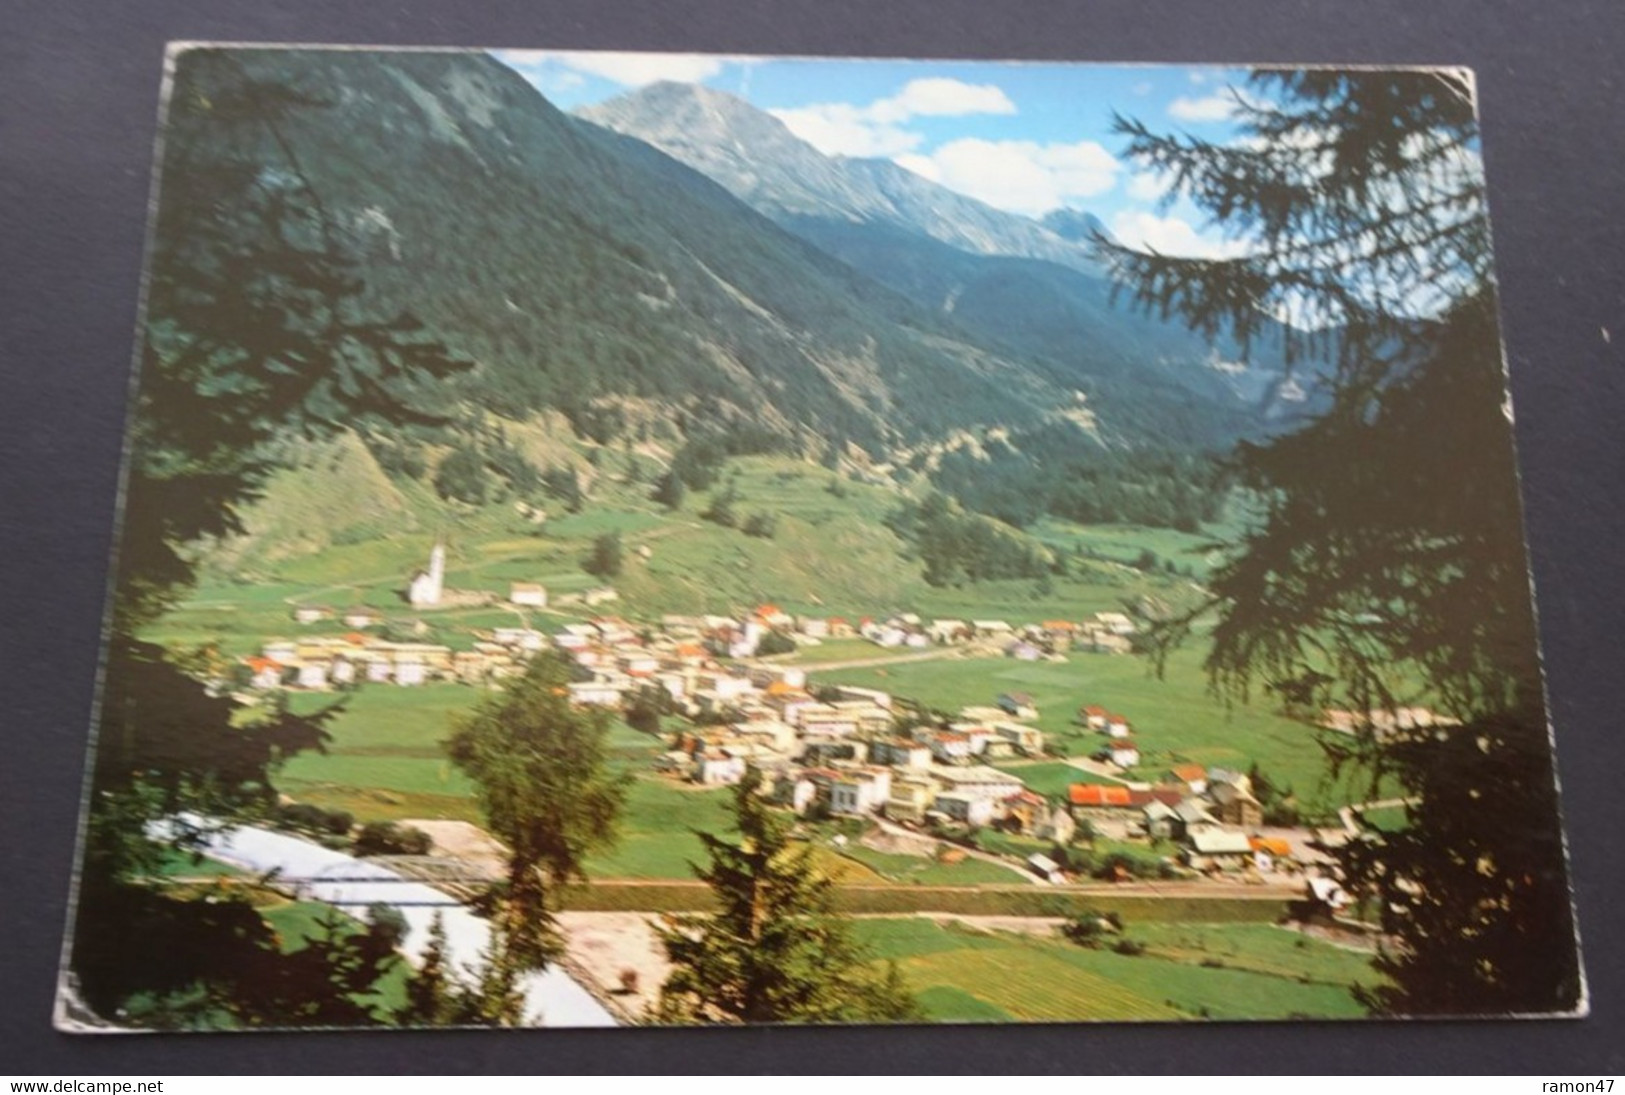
[[78, 100]]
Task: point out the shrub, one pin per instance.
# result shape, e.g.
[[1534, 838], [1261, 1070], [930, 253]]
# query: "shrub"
[[388, 838]]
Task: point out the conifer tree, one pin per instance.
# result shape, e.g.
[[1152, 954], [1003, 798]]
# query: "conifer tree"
[[542, 776], [1388, 567], [775, 951]]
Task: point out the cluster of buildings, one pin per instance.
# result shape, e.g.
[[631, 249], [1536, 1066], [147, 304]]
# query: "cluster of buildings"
[[1105, 632], [1212, 813], [341, 661], [838, 750]]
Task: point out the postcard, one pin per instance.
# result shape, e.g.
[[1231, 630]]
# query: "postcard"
[[621, 538]]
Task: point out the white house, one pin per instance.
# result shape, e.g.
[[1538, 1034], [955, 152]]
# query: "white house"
[[360, 616], [410, 671], [1124, 753], [1115, 622], [309, 614], [717, 767], [966, 808], [598, 693], [312, 675]]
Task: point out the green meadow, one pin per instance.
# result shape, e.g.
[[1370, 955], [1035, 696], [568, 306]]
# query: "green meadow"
[[1239, 971]]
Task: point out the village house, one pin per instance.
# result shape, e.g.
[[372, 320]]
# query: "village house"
[[717, 767], [1055, 824], [599, 596], [1159, 820], [990, 629], [1190, 818], [1093, 717], [1115, 622], [527, 594], [361, 616], [911, 798], [1045, 867], [602, 692], [1233, 799], [1028, 740], [978, 781], [951, 747], [1270, 853], [814, 627], [1024, 810], [310, 614], [840, 628], [973, 811], [1117, 726], [1023, 651], [1098, 640], [946, 632], [1124, 753], [773, 616], [900, 753], [1018, 705], [859, 791], [1190, 777], [872, 696], [1099, 800], [265, 672]]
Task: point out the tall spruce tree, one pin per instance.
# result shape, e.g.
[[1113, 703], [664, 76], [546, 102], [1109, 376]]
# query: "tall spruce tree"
[[1388, 567], [541, 769], [775, 951]]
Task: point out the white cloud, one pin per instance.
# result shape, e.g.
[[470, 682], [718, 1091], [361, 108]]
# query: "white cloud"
[[939, 96], [1212, 108], [1169, 236], [923, 166], [847, 129], [1142, 89], [1023, 176], [1146, 187], [841, 129]]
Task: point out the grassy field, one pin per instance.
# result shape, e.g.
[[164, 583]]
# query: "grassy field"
[[1242, 971], [384, 761]]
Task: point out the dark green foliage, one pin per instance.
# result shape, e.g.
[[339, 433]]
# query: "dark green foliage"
[[543, 780], [565, 485], [761, 525], [304, 817], [721, 510], [388, 838], [775, 951], [462, 476], [1388, 568], [958, 547], [775, 642], [259, 332], [1047, 469], [607, 556], [669, 492]]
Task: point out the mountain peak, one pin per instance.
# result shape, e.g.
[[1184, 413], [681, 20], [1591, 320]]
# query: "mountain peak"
[[762, 162]]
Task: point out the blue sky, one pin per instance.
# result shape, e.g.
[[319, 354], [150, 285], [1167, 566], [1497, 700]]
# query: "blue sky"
[[1025, 137]]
